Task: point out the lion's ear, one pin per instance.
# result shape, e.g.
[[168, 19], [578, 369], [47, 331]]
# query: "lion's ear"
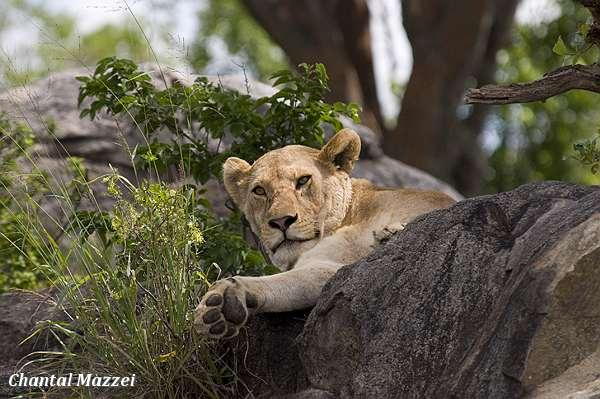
[[342, 150], [234, 171]]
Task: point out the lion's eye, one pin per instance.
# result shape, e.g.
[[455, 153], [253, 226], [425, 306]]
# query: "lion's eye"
[[258, 190], [302, 181]]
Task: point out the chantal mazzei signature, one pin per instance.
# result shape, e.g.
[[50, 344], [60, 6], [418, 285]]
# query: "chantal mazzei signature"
[[70, 380]]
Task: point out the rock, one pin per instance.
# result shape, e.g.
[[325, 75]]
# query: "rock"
[[268, 341], [20, 311], [310, 393], [495, 297]]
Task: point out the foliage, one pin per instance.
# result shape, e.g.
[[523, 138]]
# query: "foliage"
[[199, 117], [575, 51], [535, 140], [130, 304], [60, 45], [57, 26], [121, 40], [223, 252], [230, 22], [588, 153], [20, 263]]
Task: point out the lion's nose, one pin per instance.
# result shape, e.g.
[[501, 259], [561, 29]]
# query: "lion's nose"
[[283, 223]]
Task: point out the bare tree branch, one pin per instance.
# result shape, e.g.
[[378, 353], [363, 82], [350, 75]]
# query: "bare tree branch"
[[561, 80]]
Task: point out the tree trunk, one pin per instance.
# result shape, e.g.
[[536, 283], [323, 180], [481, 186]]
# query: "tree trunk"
[[333, 32], [452, 42]]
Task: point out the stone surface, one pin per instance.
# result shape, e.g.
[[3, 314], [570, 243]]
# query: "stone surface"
[[269, 340], [19, 313]]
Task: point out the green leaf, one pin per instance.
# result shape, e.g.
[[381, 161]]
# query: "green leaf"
[[149, 157], [583, 29], [561, 48], [270, 269]]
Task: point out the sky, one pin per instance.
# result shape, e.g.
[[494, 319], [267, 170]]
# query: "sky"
[[392, 53]]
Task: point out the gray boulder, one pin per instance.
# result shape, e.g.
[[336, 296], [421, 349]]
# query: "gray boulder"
[[20, 312]]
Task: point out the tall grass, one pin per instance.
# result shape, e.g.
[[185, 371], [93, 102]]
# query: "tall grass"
[[128, 297]]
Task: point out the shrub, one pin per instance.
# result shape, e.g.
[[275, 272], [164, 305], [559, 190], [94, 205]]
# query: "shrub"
[[200, 116], [19, 267], [130, 304]]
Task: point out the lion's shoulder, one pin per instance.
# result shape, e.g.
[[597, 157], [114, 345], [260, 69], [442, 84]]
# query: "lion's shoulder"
[[372, 203]]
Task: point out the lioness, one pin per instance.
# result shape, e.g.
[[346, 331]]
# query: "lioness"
[[312, 219]]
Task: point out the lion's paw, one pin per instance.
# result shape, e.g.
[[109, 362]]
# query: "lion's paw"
[[224, 309], [384, 234]]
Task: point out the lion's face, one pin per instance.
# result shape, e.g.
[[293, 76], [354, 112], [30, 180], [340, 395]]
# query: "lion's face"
[[294, 196]]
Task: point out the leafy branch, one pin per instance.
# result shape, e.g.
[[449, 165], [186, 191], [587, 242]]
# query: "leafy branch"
[[558, 81], [200, 116], [585, 77]]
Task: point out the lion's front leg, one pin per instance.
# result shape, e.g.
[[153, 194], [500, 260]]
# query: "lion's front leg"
[[225, 308], [228, 304]]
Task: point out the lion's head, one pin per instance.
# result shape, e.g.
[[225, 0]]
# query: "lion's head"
[[295, 195]]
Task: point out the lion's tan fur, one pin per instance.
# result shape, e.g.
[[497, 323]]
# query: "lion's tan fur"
[[339, 219]]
